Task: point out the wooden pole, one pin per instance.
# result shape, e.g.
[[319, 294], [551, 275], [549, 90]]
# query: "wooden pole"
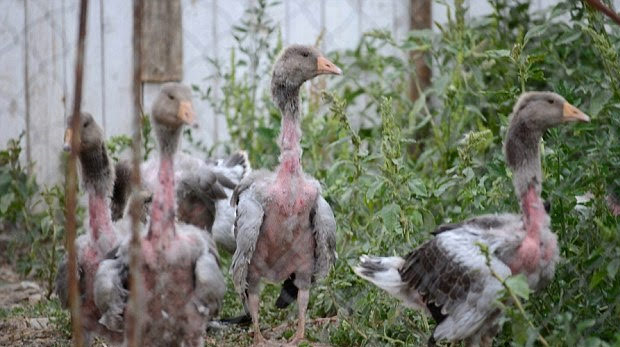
[[420, 15], [71, 183], [134, 326]]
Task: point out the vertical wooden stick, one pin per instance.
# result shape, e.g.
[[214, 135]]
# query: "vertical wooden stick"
[[599, 6], [420, 14], [71, 183], [134, 330]]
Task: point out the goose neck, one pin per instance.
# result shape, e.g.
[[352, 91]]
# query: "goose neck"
[[161, 228]]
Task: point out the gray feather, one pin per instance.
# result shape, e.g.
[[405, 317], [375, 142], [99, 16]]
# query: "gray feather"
[[324, 225], [247, 229]]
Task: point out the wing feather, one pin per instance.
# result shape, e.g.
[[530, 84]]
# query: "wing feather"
[[324, 227], [248, 224], [210, 286]]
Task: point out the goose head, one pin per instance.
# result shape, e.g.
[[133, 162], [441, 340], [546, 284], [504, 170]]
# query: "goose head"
[[298, 64], [173, 106], [91, 134], [533, 114]]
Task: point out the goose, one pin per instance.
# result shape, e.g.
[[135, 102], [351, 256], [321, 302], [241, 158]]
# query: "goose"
[[284, 227], [448, 276], [182, 283], [101, 236]]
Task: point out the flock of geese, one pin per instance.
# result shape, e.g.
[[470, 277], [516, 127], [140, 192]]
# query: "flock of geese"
[[281, 229]]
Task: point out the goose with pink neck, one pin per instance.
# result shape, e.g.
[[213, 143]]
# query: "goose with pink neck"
[[448, 277], [284, 227], [181, 280], [97, 176]]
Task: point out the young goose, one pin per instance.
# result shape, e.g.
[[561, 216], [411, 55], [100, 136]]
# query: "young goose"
[[101, 236], [284, 227], [182, 283], [448, 277]]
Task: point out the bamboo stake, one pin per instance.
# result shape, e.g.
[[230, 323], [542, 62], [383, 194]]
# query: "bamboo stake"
[[71, 183]]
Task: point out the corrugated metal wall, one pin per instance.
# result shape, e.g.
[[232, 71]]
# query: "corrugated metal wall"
[[37, 52]]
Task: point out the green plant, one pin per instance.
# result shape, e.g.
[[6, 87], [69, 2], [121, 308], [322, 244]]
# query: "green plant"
[[252, 120], [393, 168], [17, 188], [32, 216]]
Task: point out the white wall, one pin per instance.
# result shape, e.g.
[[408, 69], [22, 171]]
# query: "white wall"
[[38, 47]]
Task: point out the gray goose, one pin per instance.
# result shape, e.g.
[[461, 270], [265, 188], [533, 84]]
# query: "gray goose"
[[101, 236], [447, 276], [284, 227], [182, 282]]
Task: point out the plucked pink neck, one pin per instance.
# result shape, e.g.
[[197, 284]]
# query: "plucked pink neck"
[[100, 220], [161, 229], [290, 157], [529, 253], [533, 212]]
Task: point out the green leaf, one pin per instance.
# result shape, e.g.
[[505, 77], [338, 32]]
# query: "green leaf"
[[518, 285], [568, 37], [498, 53], [535, 31], [598, 102], [390, 214], [374, 188], [6, 201], [416, 218], [442, 188], [597, 278], [417, 187]]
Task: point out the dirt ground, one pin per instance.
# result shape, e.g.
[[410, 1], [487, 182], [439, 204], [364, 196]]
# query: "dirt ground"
[[21, 328], [21, 325]]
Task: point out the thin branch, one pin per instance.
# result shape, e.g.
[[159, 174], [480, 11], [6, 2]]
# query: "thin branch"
[[134, 325], [71, 183], [599, 6]]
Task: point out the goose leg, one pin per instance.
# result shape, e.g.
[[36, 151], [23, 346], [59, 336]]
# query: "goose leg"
[[302, 302], [254, 305]]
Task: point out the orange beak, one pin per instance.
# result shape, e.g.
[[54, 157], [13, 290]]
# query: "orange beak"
[[572, 113], [324, 66], [186, 112], [68, 135]]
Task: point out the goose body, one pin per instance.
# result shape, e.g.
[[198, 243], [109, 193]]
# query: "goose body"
[[181, 280]]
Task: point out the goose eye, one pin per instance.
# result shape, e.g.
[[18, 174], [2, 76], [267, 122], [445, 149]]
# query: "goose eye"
[[86, 124], [305, 54], [170, 97], [550, 101]]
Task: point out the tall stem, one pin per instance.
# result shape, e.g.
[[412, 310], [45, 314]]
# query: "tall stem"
[[135, 307], [71, 201]]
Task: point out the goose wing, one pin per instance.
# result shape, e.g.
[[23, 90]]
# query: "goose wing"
[[248, 223], [452, 276]]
